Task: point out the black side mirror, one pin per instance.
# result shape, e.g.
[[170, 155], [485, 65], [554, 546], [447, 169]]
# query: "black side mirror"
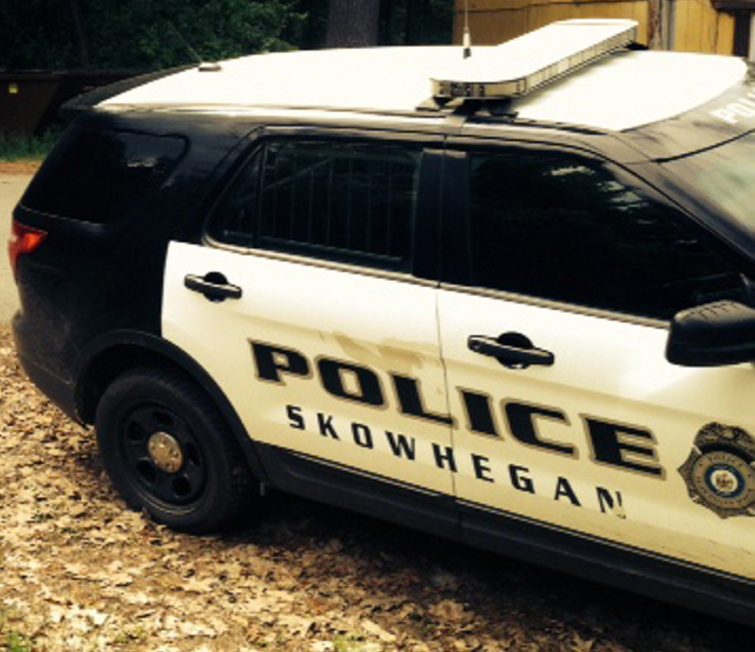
[[715, 334]]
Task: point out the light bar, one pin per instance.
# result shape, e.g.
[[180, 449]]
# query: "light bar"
[[521, 65]]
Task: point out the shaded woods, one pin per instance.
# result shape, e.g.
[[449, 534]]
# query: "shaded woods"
[[140, 34]]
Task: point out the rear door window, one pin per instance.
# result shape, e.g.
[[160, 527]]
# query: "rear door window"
[[349, 202], [102, 175]]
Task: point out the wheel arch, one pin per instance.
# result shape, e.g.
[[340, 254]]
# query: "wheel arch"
[[110, 355]]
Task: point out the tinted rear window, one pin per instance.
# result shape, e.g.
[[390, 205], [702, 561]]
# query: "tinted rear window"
[[351, 202], [100, 176]]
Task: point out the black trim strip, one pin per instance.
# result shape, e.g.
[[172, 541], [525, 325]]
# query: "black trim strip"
[[619, 547], [426, 254], [632, 569], [456, 251], [655, 576], [466, 504], [627, 568], [364, 474], [362, 492]]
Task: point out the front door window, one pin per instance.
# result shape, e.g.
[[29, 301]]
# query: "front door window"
[[555, 226]]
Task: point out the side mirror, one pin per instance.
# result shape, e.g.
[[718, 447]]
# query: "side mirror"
[[711, 335]]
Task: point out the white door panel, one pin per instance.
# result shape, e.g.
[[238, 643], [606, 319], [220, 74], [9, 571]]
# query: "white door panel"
[[609, 389], [384, 326]]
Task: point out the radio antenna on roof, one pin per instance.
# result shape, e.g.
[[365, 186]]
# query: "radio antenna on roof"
[[202, 65], [467, 37]]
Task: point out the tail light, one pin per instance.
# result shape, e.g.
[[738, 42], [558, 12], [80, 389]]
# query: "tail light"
[[23, 240]]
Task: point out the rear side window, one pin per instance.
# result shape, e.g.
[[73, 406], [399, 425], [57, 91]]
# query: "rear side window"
[[349, 202], [100, 175]]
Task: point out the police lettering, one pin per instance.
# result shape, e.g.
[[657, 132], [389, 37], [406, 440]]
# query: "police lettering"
[[522, 424], [734, 112], [547, 428], [493, 471]]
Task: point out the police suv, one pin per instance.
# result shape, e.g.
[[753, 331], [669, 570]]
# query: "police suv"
[[508, 299]]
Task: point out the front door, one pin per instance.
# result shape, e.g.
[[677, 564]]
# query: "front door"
[[567, 413]]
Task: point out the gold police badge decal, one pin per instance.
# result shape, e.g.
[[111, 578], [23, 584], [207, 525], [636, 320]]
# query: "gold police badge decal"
[[720, 470]]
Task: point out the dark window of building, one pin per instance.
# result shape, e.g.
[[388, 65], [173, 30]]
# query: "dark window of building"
[[559, 227], [349, 202], [100, 175]]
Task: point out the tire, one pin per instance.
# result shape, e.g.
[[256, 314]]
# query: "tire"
[[168, 451]]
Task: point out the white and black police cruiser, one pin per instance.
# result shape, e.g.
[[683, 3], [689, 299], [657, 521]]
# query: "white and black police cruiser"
[[506, 299]]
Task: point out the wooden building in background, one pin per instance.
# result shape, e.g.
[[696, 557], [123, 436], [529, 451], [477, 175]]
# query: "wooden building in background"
[[717, 26]]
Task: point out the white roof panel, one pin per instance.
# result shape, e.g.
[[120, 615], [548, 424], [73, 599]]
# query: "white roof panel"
[[631, 89], [621, 91], [382, 79]]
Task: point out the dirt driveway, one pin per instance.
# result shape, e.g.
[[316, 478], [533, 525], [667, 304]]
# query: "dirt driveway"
[[14, 177], [13, 180], [79, 572]]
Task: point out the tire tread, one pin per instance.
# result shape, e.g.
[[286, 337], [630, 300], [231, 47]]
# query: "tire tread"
[[240, 482]]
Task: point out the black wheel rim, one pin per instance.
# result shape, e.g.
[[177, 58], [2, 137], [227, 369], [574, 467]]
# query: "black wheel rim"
[[181, 487]]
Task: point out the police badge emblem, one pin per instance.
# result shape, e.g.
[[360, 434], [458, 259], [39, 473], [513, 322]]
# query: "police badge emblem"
[[720, 470]]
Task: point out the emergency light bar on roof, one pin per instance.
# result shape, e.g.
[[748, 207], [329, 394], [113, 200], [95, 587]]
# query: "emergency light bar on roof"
[[519, 66]]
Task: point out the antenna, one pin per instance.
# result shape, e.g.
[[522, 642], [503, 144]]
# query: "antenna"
[[467, 38], [203, 66]]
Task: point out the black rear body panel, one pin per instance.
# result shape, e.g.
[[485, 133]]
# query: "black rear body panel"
[[88, 279]]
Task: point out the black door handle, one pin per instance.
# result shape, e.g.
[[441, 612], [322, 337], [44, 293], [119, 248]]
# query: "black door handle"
[[213, 285], [512, 350]]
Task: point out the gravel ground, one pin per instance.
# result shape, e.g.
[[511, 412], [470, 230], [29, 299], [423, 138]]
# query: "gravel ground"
[[80, 572]]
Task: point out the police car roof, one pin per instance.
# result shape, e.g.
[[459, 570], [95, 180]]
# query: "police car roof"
[[621, 91]]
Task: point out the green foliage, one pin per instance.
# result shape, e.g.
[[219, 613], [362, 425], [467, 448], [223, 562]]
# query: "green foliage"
[[353, 643], [148, 35], [11, 639], [15, 642], [218, 29], [141, 34], [131, 635], [23, 147]]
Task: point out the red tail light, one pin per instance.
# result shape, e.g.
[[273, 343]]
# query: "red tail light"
[[23, 240]]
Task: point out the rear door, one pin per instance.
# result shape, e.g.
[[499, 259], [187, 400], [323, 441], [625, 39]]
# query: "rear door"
[[323, 333], [554, 315]]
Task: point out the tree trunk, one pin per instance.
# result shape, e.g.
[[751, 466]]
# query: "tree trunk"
[[655, 25], [352, 23]]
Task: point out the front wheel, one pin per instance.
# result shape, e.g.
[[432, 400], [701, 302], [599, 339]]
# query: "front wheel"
[[168, 451]]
